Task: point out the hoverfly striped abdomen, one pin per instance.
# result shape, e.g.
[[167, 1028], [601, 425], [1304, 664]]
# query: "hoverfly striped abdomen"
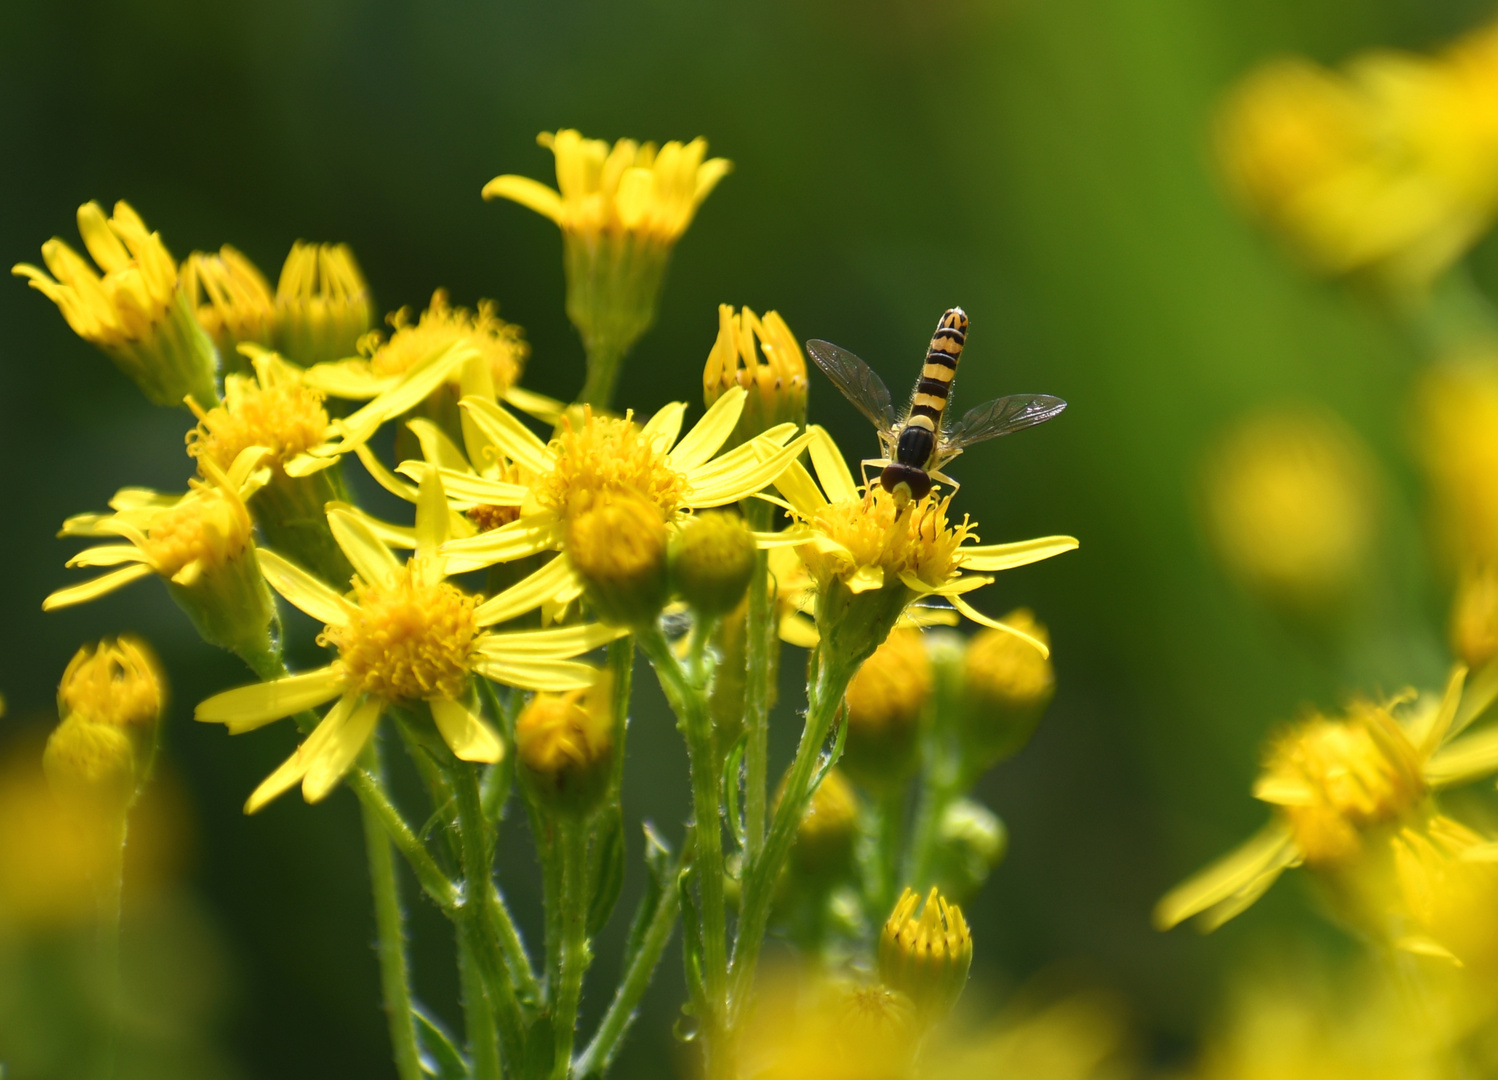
[[917, 440]]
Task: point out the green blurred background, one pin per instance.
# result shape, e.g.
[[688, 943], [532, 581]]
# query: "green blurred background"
[[1043, 163]]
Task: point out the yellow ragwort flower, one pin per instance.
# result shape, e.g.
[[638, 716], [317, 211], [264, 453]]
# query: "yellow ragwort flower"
[[135, 311], [870, 560], [323, 304], [231, 298], [1447, 876], [925, 952], [774, 372], [621, 211], [405, 636], [1340, 787], [1390, 166], [1457, 436], [116, 682]]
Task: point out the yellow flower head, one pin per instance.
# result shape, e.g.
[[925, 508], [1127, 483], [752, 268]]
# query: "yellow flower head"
[[1388, 167], [1447, 876], [441, 325], [1006, 687], [605, 455], [925, 952], [115, 682], [819, 1028], [1292, 507], [870, 558], [1457, 435], [566, 743], [231, 298], [134, 311], [1474, 618], [404, 637], [1341, 787], [823, 851], [323, 305], [712, 560], [272, 409], [886, 701], [774, 373]]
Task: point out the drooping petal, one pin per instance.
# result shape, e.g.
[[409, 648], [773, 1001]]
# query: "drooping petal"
[[1231, 884], [710, 433], [91, 590], [800, 490], [351, 379], [563, 642], [336, 757], [469, 738], [246, 708], [996, 557], [547, 410], [516, 540], [108, 555], [528, 193], [1461, 760], [383, 476], [396, 536], [431, 515], [405, 395], [556, 582], [294, 768], [437, 447], [518, 442], [302, 589], [465, 488], [1437, 722], [371, 558], [747, 481], [954, 587], [978, 617]]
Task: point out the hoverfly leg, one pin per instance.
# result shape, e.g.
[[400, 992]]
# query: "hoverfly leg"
[[943, 478], [863, 468]]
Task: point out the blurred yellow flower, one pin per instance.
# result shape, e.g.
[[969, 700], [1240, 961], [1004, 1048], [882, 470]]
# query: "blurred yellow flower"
[[925, 951], [231, 298], [1457, 436], [1341, 788], [1292, 507], [566, 744], [323, 305], [1390, 166], [1474, 618]]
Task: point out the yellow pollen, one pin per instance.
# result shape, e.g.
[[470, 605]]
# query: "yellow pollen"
[[202, 532], [442, 325], [284, 417], [606, 455], [918, 540], [407, 640]]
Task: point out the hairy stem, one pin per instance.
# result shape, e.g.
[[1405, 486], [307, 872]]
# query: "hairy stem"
[[575, 954], [757, 692]]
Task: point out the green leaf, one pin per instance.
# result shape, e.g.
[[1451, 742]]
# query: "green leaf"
[[606, 870], [658, 862], [731, 789], [439, 1057]]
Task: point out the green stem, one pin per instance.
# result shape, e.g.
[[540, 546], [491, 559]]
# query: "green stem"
[[391, 934], [605, 360], [109, 892], [824, 696], [478, 1015], [599, 1054], [575, 954], [375, 803], [936, 795], [517, 960], [689, 701], [757, 690]]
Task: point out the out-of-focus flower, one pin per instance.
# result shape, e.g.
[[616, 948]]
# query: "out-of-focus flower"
[[824, 839], [827, 1029], [231, 298], [1081, 1036], [1389, 167], [406, 636], [970, 842], [1341, 788], [115, 682], [1006, 686], [621, 211], [323, 305], [925, 952], [201, 543], [886, 701], [774, 374], [135, 311], [1447, 878], [712, 560], [1292, 507], [566, 744], [1457, 435]]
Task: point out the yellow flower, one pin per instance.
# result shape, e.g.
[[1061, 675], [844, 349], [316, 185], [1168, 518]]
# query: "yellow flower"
[[823, 851], [1338, 786], [1292, 507], [135, 311], [115, 682], [1457, 435], [1006, 687], [621, 211], [201, 544], [870, 560], [566, 743], [1474, 618], [231, 298], [1390, 167], [606, 456], [925, 952], [404, 637], [774, 374], [886, 701], [323, 306]]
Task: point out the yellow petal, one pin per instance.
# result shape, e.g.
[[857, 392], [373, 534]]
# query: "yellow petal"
[[108, 555], [831, 469], [431, 515], [995, 557], [351, 379], [708, 435], [469, 738], [383, 476], [1232, 883], [335, 757], [562, 643], [294, 768], [396, 536], [91, 590], [865, 579], [518, 442], [953, 587], [1462, 760], [371, 558], [978, 617], [1284, 791], [436, 448], [1477, 697], [746, 482], [798, 630], [417, 384], [467, 489], [1433, 732], [548, 410], [246, 708], [302, 589], [553, 676], [505, 544], [556, 582], [800, 490], [306, 465], [662, 429], [528, 193]]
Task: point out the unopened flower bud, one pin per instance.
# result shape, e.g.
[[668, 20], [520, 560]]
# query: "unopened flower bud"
[[926, 954], [1474, 618], [971, 841], [823, 851], [231, 299], [886, 700], [1007, 685], [712, 560], [91, 766], [323, 305], [618, 545], [774, 373], [565, 743], [116, 682]]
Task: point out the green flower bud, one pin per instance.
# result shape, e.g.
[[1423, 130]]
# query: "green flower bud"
[[712, 560], [926, 955], [971, 841], [91, 767], [619, 548]]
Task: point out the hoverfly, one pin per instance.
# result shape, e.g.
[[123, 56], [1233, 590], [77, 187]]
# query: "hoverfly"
[[917, 446]]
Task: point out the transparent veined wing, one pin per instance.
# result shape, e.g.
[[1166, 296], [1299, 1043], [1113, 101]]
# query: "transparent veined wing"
[[856, 380], [1000, 417]]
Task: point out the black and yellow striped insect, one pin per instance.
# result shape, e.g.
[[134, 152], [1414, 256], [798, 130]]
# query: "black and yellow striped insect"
[[917, 446]]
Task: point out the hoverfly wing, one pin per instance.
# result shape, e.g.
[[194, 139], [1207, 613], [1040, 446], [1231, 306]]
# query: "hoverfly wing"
[[856, 380], [1000, 417]]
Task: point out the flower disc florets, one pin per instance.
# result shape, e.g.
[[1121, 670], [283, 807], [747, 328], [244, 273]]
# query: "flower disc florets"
[[407, 640], [284, 417], [197, 536], [1334, 778], [606, 455], [442, 325], [116, 682], [879, 536]]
